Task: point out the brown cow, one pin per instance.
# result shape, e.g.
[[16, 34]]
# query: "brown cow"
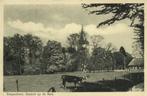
[[71, 79]]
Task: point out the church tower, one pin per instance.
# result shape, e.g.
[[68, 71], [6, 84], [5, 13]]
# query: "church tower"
[[82, 50], [83, 39]]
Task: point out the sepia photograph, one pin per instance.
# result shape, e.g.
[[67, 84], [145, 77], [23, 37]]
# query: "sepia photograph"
[[85, 47]]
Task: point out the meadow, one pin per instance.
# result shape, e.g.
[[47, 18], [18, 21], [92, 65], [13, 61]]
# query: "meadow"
[[41, 83]]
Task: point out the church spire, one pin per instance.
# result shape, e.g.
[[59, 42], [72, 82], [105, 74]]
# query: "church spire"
[[82, 39], [82, 29]]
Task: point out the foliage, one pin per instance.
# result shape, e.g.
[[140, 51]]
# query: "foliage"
[[33, 47], [119, 59], [132, 11], [122, 50], [77, 51], [73, 40], [18, 49], [52, 57], [14, 53], [101, 59], [27, 55]]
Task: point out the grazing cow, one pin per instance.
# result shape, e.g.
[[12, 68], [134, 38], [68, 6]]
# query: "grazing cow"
[[71, 79]]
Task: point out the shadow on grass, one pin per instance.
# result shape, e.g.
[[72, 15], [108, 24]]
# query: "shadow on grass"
[[103, 86], [116, 85]]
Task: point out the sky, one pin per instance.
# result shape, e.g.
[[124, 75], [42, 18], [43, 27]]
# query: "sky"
[[58, 21]]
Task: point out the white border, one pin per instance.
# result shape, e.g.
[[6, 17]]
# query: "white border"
[[46, 2]]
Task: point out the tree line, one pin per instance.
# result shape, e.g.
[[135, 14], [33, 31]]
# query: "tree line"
[[26, 54]]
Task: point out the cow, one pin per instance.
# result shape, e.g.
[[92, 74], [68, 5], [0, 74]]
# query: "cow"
[[71, 79]]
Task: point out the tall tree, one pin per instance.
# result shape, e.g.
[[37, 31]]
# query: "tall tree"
[[95, 43], [95, 40], [33, 46], [73, 40], [8, 56], [52, 57], [101, 59], [110, 49], [123, 52], [18, 53]]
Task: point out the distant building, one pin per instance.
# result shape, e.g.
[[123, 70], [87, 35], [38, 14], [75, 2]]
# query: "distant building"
[[136, 64], [82, 50]]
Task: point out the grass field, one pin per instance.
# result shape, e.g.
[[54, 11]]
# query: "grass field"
[[41, 83]]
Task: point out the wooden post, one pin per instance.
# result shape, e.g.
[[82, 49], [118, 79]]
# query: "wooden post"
[[103, 79], [17, 85], [4, 87]]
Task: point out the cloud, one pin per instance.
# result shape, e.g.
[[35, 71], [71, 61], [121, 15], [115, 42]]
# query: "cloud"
[[70, 28], [28, 26], [45, 33], [120, 28], [61, 34]]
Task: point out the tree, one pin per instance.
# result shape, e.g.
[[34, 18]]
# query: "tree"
[[119, 59], [52, 57], [8, 56], [19, 49], [123, 52], [33, 46], [139, 30], [64, 51], [110, 47], [72, 59], [101, 59], [73, 40], [14, 54], [95, 43], [97, 59], [95, 40], [137, 52], [78, 51], [132, 11]]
